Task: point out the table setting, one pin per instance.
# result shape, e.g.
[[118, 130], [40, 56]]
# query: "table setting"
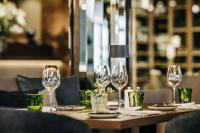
[[94, 102]]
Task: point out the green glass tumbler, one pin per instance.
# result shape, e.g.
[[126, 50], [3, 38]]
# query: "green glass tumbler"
[[34, 102], [185, 95], [85, 98], [136, 98]]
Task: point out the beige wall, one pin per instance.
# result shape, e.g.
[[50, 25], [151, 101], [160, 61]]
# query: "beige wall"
[[33, 8]]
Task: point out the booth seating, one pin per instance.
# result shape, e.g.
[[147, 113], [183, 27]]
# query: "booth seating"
[[17, 121], [186, 123]]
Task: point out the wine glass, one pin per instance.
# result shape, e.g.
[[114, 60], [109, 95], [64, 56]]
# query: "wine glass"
[[119, 79], [103, 75], [51, 80], [174, 77]]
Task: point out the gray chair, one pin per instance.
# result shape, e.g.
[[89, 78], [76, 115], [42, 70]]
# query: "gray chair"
[[192, 82], [186, 123], [15, 121]]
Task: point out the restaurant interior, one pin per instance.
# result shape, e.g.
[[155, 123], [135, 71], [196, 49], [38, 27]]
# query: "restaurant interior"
[[148, 48]]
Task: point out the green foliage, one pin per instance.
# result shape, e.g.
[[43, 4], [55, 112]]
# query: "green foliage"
[[100, 90], [85, 98]]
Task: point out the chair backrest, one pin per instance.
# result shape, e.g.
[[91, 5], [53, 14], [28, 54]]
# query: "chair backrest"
[[194, 83], [15, 121], [157, 96], [186, 123]]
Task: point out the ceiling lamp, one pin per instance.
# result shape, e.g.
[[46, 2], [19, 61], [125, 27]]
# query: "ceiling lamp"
[[195, 9]]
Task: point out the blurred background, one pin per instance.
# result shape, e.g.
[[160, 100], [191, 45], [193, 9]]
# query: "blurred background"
[[80, 32]]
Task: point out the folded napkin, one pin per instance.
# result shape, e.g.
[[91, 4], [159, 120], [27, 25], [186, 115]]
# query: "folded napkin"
[[194, 106], [48, 109], [112, 103], [185, 104], [130, 112]]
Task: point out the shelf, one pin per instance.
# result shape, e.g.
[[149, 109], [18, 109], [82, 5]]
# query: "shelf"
[[142, 42], [142, 53], [179, 7], [181, 52], [141, 64], [196, 65], [196, 29], [161, 17], [161, 64], [165, 65], [179, 29], [141, 13], [196, 52], [182, 65], [143, 29], [142, 79]]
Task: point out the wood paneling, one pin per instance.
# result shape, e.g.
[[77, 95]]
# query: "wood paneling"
[[55, 25], [76, 37]]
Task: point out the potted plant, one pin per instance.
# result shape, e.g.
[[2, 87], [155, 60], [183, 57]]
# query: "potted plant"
[[96, 97], [99, 97]]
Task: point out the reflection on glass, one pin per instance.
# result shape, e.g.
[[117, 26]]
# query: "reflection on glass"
[[119, 79], [103, 75], [174, 77], [51, 79]]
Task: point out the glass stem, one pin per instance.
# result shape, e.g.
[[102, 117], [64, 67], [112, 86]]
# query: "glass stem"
[[50, 99], [119, 100], [174, 93]]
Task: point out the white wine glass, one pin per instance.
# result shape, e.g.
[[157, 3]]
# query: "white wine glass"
[[174, 77], [119, 79], [51, 80], [102, 75]]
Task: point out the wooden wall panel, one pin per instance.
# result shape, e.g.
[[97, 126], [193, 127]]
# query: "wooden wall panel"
[[55, 25], [76, 37]]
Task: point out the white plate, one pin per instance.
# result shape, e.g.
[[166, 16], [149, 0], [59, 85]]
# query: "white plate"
[[133, 108], [185, 104], [162, 108], [140, 113], [70, 108], [48, 109], [103, 115]]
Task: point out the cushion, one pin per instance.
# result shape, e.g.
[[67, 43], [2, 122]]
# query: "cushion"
[[68, 91], [28, 84], [157, 96], [85, 83], [66, 94], [191, 82], [14, 99]]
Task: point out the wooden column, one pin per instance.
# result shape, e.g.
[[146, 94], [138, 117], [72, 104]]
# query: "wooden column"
[[133, 51], [151, 38], [76, 48], [170, 26], [189, 36]]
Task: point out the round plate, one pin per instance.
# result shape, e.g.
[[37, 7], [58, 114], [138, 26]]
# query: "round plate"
[[135, 108], [70, 108], [103, 115], [185, 104], [162, 107]]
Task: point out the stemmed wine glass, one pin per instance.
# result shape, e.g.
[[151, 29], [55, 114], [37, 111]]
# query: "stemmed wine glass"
[[51, 80], [119, 79], [102, 75], [174, 77]]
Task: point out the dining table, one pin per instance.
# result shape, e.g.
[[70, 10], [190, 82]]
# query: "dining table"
[[128, 122], [146, 123]]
